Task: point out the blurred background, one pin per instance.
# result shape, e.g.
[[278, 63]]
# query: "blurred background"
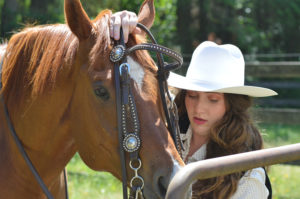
[[267, 32], [256, 26]]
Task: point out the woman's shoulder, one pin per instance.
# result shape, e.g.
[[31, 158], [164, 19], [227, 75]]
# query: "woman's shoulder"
[[252, 185]]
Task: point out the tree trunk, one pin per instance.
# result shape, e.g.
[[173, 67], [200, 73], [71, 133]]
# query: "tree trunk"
[[183, 25], [8, 16]]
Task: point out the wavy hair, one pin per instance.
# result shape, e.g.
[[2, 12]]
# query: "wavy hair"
[[234, 133]]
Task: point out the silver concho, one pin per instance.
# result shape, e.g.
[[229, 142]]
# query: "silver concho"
[[117, 53], [131, 142]]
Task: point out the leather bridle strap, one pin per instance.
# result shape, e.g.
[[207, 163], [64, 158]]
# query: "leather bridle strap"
[[128, 122], [24, 154], [21, 148], [119, 118], [1, 63]]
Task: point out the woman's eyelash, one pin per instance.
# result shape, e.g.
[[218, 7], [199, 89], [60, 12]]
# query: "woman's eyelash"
[[214, 100], [192, 96]]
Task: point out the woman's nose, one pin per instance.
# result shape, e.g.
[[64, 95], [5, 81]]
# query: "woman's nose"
[[200, 106]]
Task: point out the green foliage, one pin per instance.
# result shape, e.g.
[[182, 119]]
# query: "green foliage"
[[164, 27], [18, 13], [279, 134], [51, 11], [256, 26], [269, 26]]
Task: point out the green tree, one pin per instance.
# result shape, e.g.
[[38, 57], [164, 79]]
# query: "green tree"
[[16, 14], [9, 18], [269, 26], [277, 21]]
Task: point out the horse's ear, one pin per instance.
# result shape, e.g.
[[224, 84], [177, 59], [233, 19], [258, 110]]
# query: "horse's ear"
[[147, 13], [77, 19]]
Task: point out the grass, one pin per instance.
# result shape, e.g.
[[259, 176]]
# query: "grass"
[[278, 135], [86, 183], [284, 178], [285, 181]]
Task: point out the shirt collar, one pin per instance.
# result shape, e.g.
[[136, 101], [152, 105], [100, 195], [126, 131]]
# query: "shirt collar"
[[186, 140]]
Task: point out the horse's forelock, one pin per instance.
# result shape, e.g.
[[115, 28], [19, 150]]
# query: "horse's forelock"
[[100, 51]]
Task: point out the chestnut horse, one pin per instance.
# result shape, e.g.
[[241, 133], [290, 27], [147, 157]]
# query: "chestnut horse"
[[49, 76]]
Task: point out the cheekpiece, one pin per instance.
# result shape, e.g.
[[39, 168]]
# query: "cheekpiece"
[[131, 142], [117, 53]]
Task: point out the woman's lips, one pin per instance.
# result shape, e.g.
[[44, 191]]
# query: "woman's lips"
[[199, 121]]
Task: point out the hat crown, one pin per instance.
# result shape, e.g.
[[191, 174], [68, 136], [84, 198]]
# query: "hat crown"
[[217, 68], [222, 65]]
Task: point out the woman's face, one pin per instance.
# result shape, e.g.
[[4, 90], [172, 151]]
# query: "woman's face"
[[204, 110]]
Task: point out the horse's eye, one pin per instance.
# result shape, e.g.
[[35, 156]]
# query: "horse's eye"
[[102, 92]]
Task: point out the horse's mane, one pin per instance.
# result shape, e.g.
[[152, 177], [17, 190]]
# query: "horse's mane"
[[33, 58], [36, 55]]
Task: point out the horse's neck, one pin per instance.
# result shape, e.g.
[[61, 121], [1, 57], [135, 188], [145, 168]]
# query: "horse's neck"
[[43, 129]]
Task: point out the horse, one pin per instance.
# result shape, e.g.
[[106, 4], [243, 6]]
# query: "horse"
[[50, 75]]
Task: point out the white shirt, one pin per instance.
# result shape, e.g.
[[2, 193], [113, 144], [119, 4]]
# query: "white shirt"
[[250, 186]]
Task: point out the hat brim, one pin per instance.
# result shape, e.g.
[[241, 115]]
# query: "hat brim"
[[182, 82]]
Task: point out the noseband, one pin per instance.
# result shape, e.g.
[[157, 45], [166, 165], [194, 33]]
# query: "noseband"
[[129, 139], [128, 122]]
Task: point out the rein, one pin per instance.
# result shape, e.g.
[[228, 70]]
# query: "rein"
[[129, 140], [22, 150], [128, 122]]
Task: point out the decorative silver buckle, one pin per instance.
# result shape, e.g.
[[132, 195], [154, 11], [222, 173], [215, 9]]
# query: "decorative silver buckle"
[[117, 53], [131, 142]]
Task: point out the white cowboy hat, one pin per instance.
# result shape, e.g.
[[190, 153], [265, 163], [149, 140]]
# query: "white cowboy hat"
[[217, 68]]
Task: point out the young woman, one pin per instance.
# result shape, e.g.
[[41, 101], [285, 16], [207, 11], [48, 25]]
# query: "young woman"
[[213, 109], [213, 105]]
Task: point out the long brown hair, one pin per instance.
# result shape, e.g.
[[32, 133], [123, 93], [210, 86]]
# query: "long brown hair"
[[235, 133]]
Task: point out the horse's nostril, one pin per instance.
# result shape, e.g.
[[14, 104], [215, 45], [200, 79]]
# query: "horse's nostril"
[[162, 186]]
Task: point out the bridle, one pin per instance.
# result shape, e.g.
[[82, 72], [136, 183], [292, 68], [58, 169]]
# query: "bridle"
[[128, 122], [129, 139]]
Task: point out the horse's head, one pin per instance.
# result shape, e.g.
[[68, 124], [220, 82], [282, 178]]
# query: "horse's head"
[[93, 107]]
